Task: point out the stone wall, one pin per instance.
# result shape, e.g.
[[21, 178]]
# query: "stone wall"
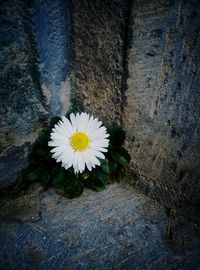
[[98, 33], [35, 67], [130, 62], [162, 107], [51, 28], [22, 106]]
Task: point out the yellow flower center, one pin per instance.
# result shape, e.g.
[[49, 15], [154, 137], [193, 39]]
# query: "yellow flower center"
[[79, 141]]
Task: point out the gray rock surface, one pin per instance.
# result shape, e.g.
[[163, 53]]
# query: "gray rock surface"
[[117, 228], [162, 111], [97, 43], [22, 107], [159, 106], [35, 67], [52, 28]]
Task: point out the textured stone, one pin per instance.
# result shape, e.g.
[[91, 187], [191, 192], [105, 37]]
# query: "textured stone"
[[117, 228], [20, 95], [159, 109], [51, 29], [12, 161], [34, 76], [22, 107], [162, 109], [97, 42]]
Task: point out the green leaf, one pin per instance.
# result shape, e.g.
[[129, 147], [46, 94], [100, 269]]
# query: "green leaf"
[[104, 165], [112, 166], [119, 159], [40, 152], [100, 176], [59, 179], [39, 157], [124, 153], [46, 179], [34, 175], [85, 175], [117, 136], [73, 188], [43, 137], [98, 188]]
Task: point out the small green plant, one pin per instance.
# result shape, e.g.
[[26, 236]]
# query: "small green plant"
[[44, 169]]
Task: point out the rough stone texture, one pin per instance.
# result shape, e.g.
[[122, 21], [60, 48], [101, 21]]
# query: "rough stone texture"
[[34, 75], [52, 34], [117, 228], [162, 109], [12, 162], [97, 42], [159, 109], [22, 108]]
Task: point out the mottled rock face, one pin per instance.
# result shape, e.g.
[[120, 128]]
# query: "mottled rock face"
[[22, 107], [98, 56], [21, 97], [51, 28], [30, 94], [158, 105], [162, 109], [117, 228]]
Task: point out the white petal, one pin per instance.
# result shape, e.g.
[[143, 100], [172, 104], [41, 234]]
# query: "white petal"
[[66, 166], [98, 148], [71, 161], [100, 142], [86, 160], [78, 121], [75, 161], [55, 156], [76, 171], [63, 127], [83, 121], [68, 125], [59, 150], [73, 121], [99, 133], [92, 165], [58, 142], [90, 124], [81, 163], [62, 130], [67, 156], [98, 154], [89, 166], [60, 137], [52, 143], [93, 159], [59, 158], [58, 130], [93, 125]]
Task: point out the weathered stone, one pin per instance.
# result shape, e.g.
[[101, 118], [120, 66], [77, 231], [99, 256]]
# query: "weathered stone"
[[22, 107], [97, 44], [159, 109], [52, 29], [30, 94], [162, 110], [12, 162], [24, 208], [117, 228]]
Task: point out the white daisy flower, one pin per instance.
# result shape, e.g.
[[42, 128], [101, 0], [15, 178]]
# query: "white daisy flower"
[[79, 142]]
